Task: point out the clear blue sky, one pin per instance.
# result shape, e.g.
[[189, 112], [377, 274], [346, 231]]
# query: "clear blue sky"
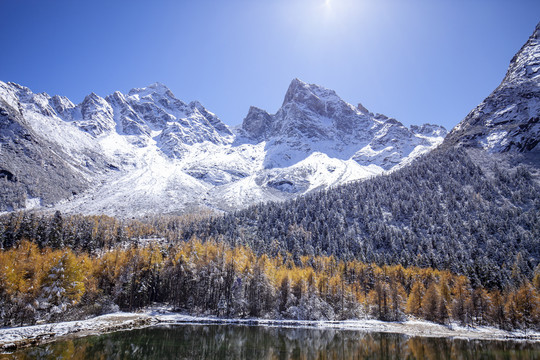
[[416, 60]]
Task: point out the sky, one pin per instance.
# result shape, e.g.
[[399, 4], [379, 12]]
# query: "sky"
[[419, 61]]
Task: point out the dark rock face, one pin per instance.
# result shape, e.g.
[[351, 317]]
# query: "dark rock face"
[[508, 119], [8, 175], [257, 123], [314, 112]]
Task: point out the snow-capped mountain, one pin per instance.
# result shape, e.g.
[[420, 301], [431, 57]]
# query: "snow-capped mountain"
[[149, 152], [313, 119], [508, 120]]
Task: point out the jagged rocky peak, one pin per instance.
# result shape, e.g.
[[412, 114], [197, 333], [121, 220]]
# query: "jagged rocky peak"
[[181, 124], [128, 121], [212, 118], [20, 97], [97, 115], [429, 130], [133, 134], [62, 105], [93, 101], [302, 92], [116, 97], [7, 93], [315, 98], [508, 120], [256, 123], [526, 63], [14, 89], [156, 88], [314, 112], [363, 109]]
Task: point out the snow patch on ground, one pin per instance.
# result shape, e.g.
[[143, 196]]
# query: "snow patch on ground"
[[32, 203], [409, 327], [12, 338]]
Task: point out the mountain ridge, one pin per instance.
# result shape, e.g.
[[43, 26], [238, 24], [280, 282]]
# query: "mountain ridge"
[[151, 152]]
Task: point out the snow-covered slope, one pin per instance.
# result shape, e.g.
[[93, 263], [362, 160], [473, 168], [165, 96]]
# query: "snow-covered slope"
[[508, 120], [149, 152]]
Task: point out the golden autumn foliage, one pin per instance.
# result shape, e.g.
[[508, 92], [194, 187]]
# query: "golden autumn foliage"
[[212, 277], [414, 301], [27, 270]]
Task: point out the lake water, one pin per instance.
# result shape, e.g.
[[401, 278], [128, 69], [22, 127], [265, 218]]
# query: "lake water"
[[254, 342]]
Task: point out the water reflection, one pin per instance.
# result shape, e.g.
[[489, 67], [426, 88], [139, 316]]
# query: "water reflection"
[[244, 342]]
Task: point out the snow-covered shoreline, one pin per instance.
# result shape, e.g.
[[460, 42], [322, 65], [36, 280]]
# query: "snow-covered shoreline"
[[17, 337], [13, 338]]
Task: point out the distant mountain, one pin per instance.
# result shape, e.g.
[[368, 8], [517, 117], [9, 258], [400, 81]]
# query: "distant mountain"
[[314, 119], [149, 152]]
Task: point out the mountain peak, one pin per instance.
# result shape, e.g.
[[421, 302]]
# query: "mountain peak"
[[158, 86], [185, 153], [363, 109], [256, 123], [295, 87], [429, 130], [93, 98], [155, 88], [536, 33], [525, 65], [302, 92]]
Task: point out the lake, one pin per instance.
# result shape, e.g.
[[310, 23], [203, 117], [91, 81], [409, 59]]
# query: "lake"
[[256, 342]]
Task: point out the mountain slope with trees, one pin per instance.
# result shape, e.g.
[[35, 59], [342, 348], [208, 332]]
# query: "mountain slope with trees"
[[442, 211]]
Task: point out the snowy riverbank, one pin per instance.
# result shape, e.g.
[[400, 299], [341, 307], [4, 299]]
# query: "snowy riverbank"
[[12, 338]]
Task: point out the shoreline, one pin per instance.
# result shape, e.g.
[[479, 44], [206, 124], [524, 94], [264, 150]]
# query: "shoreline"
[[14, 338]]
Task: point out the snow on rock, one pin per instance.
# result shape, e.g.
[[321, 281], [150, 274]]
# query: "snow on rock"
[[314, 119], [32, 203]]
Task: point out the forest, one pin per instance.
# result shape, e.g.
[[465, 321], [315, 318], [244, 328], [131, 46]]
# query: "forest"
[[213, 278]]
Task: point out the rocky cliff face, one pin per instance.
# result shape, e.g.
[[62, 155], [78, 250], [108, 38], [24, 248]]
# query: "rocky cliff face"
[[148, 152], [508, 120]]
